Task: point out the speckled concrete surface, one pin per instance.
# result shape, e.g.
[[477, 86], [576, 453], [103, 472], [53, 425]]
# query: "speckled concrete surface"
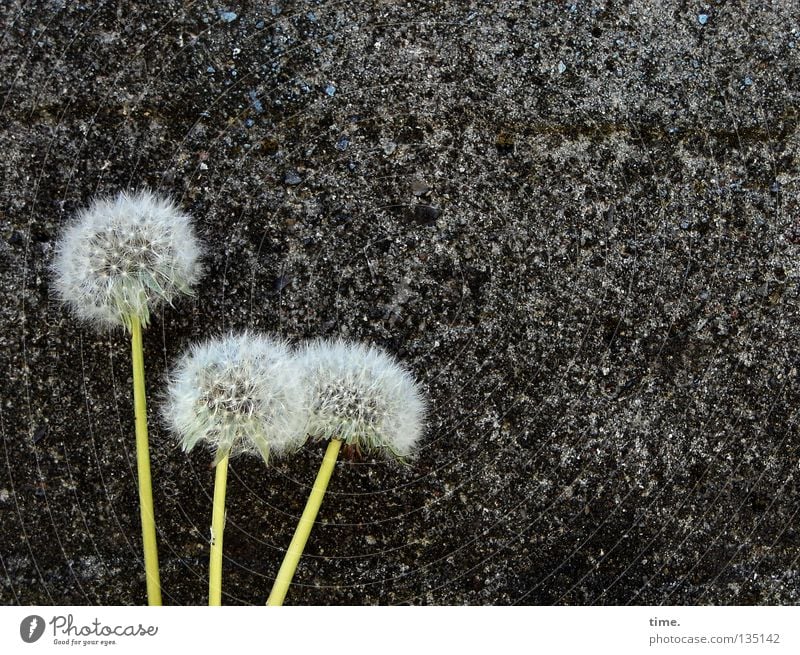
[[576, 222]]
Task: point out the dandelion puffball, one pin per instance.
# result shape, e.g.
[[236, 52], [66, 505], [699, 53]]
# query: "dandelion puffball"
[[125, 255], [361, 395], [238, 394]]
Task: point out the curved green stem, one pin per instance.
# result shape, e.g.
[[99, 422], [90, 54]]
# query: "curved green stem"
[[298, 544], [143, 467], [217, 528]]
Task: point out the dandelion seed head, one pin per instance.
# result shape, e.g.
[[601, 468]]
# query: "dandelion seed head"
[[237, 394], [361, 395], [125, 255]]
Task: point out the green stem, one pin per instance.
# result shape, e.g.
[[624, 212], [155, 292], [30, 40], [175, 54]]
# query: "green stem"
[[143, 467], [217, 528], [298, 544]]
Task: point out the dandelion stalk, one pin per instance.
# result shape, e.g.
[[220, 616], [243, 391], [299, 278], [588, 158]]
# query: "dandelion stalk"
[[143, 467], [301, 534], [121, 258], [360, 396], [217, 529], [236, 394]]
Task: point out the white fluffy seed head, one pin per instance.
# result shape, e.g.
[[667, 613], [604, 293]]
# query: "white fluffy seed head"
[[361, 395], [125, 255], [237, 394]]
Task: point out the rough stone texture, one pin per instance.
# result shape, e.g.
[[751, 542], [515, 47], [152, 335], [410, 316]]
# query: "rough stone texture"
[[577, 222]]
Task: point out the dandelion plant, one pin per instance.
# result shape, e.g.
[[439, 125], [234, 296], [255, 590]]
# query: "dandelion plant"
[[237, 394], [360, 396], [119, 260]]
